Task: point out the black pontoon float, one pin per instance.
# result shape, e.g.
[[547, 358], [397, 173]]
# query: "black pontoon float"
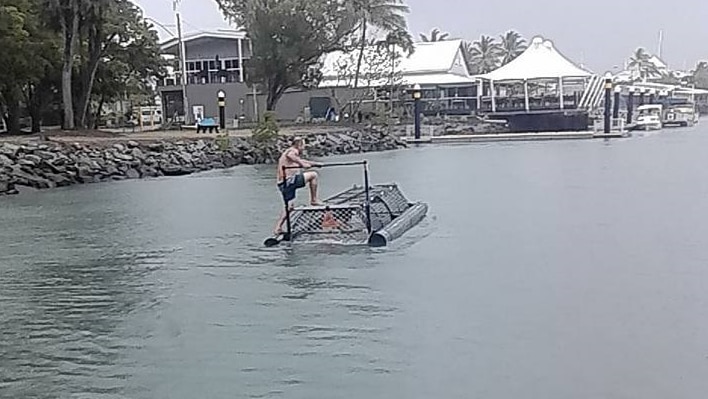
[[365, 215]]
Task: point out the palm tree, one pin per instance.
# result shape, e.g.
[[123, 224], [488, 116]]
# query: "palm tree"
[[640, 62], [435, 36], [512, 45], [387, 15], [484, 54]]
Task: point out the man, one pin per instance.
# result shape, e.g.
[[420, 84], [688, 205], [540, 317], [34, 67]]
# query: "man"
[[295, 178]]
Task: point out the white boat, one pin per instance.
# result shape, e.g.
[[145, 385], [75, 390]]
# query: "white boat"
[[649, 117], [681, 115]]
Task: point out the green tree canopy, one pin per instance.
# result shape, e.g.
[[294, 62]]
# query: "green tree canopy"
[[289, 37]]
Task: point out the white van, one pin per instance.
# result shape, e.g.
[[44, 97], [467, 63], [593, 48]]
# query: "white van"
[[150, 115]]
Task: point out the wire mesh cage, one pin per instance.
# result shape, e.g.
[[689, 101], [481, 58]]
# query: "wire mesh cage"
[[345, 220], [340, 223]]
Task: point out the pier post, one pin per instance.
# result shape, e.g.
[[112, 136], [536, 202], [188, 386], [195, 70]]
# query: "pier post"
[[641, 96], [630, 105], [608, 102], [616, 103], [221, 97], [416, 110], [652, 96]]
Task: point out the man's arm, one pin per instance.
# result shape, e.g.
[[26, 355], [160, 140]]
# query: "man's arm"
[[294, 157]]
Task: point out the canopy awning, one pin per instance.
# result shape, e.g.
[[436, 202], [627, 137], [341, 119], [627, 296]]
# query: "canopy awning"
[[540, 61]]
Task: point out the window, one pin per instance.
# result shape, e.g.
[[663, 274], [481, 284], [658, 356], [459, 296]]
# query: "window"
[[206, 71]]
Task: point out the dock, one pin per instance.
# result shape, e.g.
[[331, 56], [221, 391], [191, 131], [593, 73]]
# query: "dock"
[[473, 138]]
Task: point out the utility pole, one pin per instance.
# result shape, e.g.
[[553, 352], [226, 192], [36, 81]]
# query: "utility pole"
[[182, 60]]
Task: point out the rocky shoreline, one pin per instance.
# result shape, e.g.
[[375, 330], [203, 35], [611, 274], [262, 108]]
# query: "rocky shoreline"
[[44, 165]]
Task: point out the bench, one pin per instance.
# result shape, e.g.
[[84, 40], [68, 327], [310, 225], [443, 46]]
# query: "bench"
[[207, 124]]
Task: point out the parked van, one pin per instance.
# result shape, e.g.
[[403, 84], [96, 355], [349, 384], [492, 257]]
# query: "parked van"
[[150, 116]]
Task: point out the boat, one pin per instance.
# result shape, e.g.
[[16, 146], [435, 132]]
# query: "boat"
[[684, 114], [368, 215], [649, 117]]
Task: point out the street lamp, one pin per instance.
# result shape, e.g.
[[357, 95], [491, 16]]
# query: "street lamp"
[[608, 102], [221, 98], [416, 109]]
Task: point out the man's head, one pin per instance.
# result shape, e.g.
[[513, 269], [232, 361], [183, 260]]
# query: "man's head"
[[299, 143]]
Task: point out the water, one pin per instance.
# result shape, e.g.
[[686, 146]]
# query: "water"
[[544, 270]]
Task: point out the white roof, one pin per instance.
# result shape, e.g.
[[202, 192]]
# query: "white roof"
[[217, 34], [432, 63], [540, 60], [432, 56]]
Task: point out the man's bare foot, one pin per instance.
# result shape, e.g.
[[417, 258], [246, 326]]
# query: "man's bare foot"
[[317, 203], [277, 232]]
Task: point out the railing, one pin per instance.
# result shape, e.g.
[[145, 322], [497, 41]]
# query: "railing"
[[616, 125]]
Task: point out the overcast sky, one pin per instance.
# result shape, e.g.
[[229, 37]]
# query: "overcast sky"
[[600, 33]]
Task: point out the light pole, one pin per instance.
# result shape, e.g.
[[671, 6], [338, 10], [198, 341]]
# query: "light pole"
[[608, 102], [221, 97], [416, 109], [182, 60]]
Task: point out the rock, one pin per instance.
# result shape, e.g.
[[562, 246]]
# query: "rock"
[[147, 171], [132, 174], [27, 162], [59, 180], [33, 158], [10, 149], [119, 147], [25, 179], [111, 170], [5, 160], [46, 155], [124, 157], [133, 144], [138, 154], [7, 188], [174, 170]]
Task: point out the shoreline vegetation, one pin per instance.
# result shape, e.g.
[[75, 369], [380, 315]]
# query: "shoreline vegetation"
[[46, 164]]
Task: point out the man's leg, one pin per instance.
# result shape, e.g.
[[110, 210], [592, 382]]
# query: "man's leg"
[[282, 218], [311, 178]]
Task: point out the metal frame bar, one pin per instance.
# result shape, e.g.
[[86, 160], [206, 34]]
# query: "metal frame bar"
[[367, 205]]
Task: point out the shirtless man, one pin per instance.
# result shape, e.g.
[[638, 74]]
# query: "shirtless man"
[[295, 179]]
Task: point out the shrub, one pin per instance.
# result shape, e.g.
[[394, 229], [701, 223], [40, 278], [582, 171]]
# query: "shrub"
[[266, 130]]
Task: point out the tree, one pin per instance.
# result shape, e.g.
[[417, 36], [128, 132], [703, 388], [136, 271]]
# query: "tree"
[[381, 62], [68, 15], [512, 45], [435, 36], [124, 57], [700, 75], [289, 37], [386, 15], [640, 62], [25, 61], [484, 54]]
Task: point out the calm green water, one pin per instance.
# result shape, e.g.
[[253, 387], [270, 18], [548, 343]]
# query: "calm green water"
[[573, 269]]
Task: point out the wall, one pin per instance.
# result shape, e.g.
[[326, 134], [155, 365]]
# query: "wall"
[[209, 48], [293, 103], [206, 95]]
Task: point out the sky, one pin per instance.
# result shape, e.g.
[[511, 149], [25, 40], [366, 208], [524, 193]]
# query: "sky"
[[601, 36]]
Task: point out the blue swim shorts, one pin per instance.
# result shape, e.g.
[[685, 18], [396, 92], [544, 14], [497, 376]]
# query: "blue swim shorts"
[[290, 185]]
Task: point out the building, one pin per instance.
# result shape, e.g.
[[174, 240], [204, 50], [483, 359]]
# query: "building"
[[440, 68], [214, 61], [540, 90]]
